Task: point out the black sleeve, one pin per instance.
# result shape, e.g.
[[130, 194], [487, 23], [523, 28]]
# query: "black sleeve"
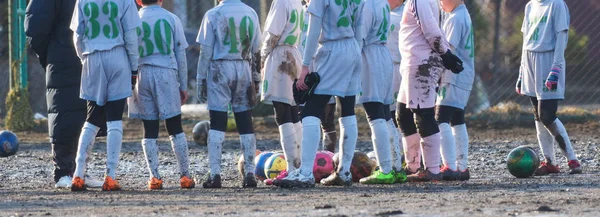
[[39, 21]]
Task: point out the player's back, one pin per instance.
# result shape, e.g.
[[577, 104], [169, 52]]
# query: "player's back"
[[294, 21], [103, 23], [458, 28], [377, 21], [160, 34], [338, 18], [393, 41], [413, 44], [235, 28]]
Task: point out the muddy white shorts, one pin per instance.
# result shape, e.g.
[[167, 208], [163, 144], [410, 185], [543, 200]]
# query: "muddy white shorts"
[[106, 76], [229, 82], [535, 71], [282, 67], [417, 89], [156, 95]]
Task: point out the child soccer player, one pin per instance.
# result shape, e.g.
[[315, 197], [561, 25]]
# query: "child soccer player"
[[106, 42], [454, 92], [425, 54], [161, 87], [281, 67], [229, 38], [542, 77]]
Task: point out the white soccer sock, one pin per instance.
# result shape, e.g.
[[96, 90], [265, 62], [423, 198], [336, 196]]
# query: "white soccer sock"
[[150, 148], [215, 144], [381, 144], [431, 152], [298, 135], [248, 142], [396, 145], [114, 140], [448, 146], [558, 130], [86, 143], [462, 146], [546, 142], [311, 134], [348, 137], [288, 143], [180, 148], [412, 151]]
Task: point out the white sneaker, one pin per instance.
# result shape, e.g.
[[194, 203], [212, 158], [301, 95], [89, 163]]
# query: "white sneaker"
[[64, 182], [93, 183], [296, 180]]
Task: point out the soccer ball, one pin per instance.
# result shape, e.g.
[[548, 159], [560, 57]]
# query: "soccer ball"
[[328, 153], [200, 132], [361, 165], [259, 162], [522, 162], [275, 165], [241, 162], [323, 165], [9, 143], [231, 125]]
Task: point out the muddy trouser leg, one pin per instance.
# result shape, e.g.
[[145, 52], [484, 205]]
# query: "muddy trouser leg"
[[379, 135], [547, 114], [410, 138], [348, 134], [328, 124], [114, 135], [444, 116], [178, 144], [245, 128], [150, 146], [430, 142], [216, 137], [311, 131], [287, 133], [396, 146]]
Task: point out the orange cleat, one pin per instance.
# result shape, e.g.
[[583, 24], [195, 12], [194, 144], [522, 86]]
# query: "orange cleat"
[[110, 184], [186, 182], [78, 184], [155, 184]]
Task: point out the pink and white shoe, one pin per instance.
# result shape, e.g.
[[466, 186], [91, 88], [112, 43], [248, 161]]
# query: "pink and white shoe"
[[281, 175]]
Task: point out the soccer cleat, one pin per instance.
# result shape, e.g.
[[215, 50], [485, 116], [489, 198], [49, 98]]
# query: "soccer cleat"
[[155, 184], [78, 184], [212, 181], [295, 180], [400, 176], [407, 170], [186, 182], [93, 183], [338, 179], [379, 177], [575, 167], [449, 174], [64, 182], [110, 184], [281, 175], [424, 176], [464, 175], [546, 168], [249, 181]]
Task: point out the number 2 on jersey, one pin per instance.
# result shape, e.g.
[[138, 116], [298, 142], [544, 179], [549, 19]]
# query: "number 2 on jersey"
[[246, 33], [92, 11]]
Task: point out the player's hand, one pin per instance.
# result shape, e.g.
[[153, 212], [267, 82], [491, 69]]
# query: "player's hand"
[[134, 75], [552, 80], [202, 91], [518, 87], [183, 95], [452, 62], [300, 83]]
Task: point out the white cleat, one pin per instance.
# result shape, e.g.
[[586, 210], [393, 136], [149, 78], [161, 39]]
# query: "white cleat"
[[296, 180], [93, 183], [64, 182]]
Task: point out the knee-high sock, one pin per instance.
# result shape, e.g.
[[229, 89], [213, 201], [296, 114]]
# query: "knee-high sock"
[[150, 148], [448, 146], [215, 144], [311, 134], [86, 143], [412, 151], [462, 146], [396, 145], [248, 142], [562, 138], [114, 140], [298, 134], [546, 142], [348, 137], [381, 144], [431, 152], [288, 142], [180, 148]]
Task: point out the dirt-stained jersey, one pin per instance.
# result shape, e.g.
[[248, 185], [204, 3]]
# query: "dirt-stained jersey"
[[304, 26], [393, 41], [232, 29], [160, 35], [542, 21], [420, 34], [338, 18], [286, 20], [374, 16], [103, 23]]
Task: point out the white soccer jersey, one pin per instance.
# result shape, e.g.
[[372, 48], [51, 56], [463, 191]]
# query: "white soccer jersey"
[[160, 35], [232, 29], [542, 21], [420, 32], [392, 43], [103, 23], [375, 19], [302, 43], [338, 18], [459, 32], [286, 20]]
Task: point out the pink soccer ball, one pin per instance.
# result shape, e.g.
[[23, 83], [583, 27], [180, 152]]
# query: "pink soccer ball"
[[323, 166]]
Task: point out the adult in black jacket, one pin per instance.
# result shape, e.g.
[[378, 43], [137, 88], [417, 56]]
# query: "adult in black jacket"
[[47, 27]]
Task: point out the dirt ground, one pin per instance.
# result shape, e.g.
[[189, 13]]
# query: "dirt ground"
[[26, 186]]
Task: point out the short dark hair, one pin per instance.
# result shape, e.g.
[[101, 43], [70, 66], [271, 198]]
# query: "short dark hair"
[[149, 2]]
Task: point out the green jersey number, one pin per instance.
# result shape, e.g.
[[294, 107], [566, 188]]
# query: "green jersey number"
[[383, 30], [343, 19], [293, 37], [471, 44], [91, 10], [163, 41], [246, 33]]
